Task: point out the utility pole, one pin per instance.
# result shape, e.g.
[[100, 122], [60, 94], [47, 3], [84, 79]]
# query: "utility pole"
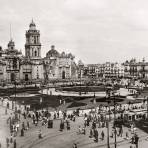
[[147, 108], [108, 101], [108, 145], [115, 121]]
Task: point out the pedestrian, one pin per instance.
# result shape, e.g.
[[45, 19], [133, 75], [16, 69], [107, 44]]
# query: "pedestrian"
[[24, 114], [28, 125], [6, 111], [79, 130], [75, 145], [51, 123], [68, 125], [11, 139], [17, 126], [40, 134], [8, 105], [55, 116], [132, 140], [74, 118], [136, 140], [91, 133], [84, 131], [87, 121], [36, 123], [96, 135], [61, 126], [93, 125], [14, 143], [58, 114], [22, 132], [7, 142], [127, 136], [23, 126], [102, 135], [120, 132], [112, 134]]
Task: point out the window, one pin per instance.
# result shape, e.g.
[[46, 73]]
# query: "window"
[[35, 53], [35, 40], [14, 63]]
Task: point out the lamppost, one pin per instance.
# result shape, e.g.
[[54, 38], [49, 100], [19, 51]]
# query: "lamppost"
[[147, 108], [108, 101], [115, 119]]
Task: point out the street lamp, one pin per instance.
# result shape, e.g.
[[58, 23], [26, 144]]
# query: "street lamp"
[[146, 99], [115, 119], [108, 101]]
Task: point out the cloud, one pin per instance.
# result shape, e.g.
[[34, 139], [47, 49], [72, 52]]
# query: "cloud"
[[94, 31]]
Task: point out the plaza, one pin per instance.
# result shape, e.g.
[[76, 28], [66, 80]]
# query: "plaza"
[[73, 74], [66, 138]]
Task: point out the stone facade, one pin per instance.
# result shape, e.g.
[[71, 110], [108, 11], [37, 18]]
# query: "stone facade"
[[136, 69], [59, 65], [10, 63], [105, 70], [32, 67]]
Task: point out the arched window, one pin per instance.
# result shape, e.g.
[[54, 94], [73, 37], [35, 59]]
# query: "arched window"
[[35, 53], [38, 51], [35, 40], [63, 75], [13, 77], [26, 77]]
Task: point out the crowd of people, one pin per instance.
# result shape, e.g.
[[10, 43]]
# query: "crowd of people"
[[20, 122]]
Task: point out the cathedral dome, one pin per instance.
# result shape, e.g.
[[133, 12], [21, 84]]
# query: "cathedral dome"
[[52, 52], [32, 25], [11, 44], [80, 63]]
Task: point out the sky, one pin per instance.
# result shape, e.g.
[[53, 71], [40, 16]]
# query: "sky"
[[94, 31]]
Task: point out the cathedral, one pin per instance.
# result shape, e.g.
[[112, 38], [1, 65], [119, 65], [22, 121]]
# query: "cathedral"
[[14, 66]]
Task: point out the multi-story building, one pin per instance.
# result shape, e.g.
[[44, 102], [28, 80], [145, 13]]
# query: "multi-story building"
[[59, 65], [91, 70], [134, 69], [111, 70], [105, 70], [10, 63]]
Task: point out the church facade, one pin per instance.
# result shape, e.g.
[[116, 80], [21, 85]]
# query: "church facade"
[[59, 65], [14, 66]]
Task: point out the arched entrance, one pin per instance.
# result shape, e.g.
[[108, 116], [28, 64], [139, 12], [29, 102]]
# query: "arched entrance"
[[12, 77], [63, 75], [26, 77]]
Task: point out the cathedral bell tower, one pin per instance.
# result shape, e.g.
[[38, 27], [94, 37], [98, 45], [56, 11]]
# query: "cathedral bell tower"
[[33, 45]]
